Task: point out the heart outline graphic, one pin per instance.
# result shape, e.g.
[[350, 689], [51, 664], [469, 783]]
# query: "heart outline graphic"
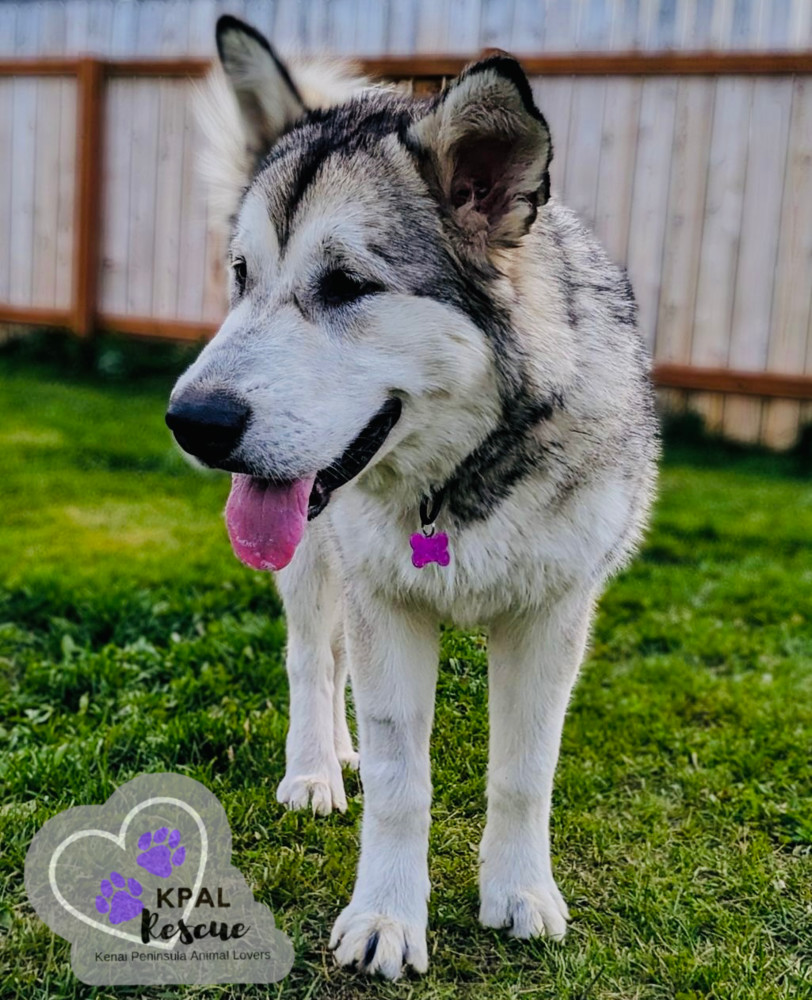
[[119, 840]]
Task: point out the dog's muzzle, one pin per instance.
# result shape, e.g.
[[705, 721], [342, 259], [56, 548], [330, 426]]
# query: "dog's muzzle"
[[209, 426]]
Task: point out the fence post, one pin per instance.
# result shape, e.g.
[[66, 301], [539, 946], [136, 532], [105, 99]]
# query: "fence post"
[[90, 81]]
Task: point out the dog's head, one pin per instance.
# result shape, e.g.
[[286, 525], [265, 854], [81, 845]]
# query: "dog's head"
[[361, 245]]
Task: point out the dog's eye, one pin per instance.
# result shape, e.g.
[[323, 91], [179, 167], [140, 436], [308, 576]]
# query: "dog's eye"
[[240, 269], [339, 288]]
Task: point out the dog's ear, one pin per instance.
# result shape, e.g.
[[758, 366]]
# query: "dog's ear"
[[268, 98], [243, 108], [486, 150]]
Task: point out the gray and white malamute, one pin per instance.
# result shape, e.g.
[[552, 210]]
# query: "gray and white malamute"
[[435, 405]]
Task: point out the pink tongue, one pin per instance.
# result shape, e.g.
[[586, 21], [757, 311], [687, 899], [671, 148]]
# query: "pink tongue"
[[265, 522]]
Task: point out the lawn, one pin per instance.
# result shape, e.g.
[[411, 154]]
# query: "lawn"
[[131, 641]]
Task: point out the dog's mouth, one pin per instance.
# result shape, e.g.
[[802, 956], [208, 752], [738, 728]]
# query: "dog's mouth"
[[355, 459], [266, 518]]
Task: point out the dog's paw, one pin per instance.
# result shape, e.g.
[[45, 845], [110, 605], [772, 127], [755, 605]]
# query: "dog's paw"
[[537, 911], [320, 792], [377, 943], [349, 758]]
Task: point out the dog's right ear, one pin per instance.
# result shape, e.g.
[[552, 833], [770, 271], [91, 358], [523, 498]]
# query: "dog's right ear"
[[485, 150], [268, 98]]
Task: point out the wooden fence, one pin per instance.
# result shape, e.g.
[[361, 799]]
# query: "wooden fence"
[[694, 168]]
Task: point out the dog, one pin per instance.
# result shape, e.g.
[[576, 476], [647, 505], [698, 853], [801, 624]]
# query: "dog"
[[435, 404]]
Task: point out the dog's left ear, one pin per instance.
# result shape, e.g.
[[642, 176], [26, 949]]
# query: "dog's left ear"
[[486, 149], [268, 98]]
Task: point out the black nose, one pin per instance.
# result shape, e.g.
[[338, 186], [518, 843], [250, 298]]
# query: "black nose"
[[208, 426]]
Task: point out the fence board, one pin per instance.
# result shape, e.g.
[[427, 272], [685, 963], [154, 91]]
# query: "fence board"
[[647, 228], [791, 301], [56, 135], [119, 97], [493, 15], [720, 237], [21, 229], [586, 123], [621, 118], [401, 36], [464, 27], [528, 29], [793, 284], [66, 217], [554, 98], [46, 193], [168, 197], [191, 273], [766, 157], [707, 27], [683, 229], [99, 27], [23, 163], [173, 98], [286, 25], [6, 146]]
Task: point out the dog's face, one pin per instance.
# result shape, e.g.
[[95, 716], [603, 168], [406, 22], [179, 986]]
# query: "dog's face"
[[353, 338]]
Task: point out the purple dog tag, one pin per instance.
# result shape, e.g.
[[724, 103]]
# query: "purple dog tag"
[[426, 550]]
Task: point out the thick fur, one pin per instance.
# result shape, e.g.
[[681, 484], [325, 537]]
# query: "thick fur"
[[227, 162], [511, 341]]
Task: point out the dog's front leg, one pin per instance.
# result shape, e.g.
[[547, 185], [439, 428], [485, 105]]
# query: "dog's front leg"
[[394, 665], [533, 662], [309, 588]]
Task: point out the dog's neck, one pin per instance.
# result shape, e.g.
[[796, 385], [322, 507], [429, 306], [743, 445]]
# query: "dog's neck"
[[479, 445]]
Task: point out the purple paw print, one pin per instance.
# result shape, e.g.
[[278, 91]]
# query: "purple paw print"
[[429, 549], [116, 901], [160, 853]]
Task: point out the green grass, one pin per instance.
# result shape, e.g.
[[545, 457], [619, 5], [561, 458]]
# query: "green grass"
[[131, 640]]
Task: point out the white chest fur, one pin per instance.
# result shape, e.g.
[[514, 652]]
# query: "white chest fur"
[[519, 557]]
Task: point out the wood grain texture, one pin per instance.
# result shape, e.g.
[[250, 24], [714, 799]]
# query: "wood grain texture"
[[67, 182], [650, 197], [172, 99], [23, 165], [621, 118], [6, 160], [721, 228], [684, 214], [584, 148], [597, 64], [554, 98], [792, 296], [755, 276], [33, 316], [46, 193], [88, 203], [660, 27], [740, 383]]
